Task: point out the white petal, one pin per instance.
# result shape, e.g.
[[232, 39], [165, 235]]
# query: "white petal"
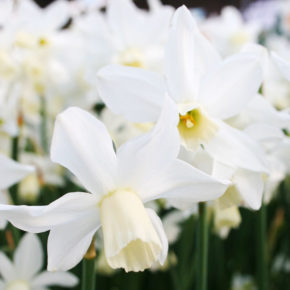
[[144, 156], [55, 15], [68, 243], [188, 55], [260, 110], [28, 257], [265, 133], [183, 185], [234, 148], [82, 144], [250, 186], [38, 219], [135, 93], [228, 90], [283, 65], [157, 223], [121, 14], [64, 279], [7, 269], [11, 171]]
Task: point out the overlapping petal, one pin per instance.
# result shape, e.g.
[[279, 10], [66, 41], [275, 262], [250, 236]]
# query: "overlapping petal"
[[183, 185], [228, 89], [82, 144], [68, 243], [135, 93], [234, 148], [146, 155]]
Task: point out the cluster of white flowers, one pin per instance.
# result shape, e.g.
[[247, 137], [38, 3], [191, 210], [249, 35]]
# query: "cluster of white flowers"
[[182, 109]]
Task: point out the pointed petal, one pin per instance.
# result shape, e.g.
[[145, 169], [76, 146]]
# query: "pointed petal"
[[36, 219], [188, 56], [7, 269], [82, 144], [228, 90], [282, 65], [28, 256], [66, 246], [183, 185], [157, 223], [250, 185], [64, 279], [121, 14], [260, 110], [135, 93], [234, 148], [148, 154], [11, 171]]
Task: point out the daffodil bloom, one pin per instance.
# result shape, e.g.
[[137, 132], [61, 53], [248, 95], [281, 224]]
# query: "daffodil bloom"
[[206, 91], [128, 34], [23, 272], [229, 32], [143, 169]]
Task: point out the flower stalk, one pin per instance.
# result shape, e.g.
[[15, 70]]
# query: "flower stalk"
[[43, 125], [202, 247], [262, 248], [88, 268]]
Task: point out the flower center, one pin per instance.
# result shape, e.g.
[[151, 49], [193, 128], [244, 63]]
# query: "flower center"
[[196, 128], [18, 285], [130, 239], [131, 57]]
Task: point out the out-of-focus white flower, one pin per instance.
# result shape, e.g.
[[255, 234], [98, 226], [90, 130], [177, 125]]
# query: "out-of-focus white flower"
[[205, 89], [263, 12], [129, 36], [23, 272], [119, 183], [225, 219], [47, 173], [120, 129], [11, 172], [241, 282], [229, 32]]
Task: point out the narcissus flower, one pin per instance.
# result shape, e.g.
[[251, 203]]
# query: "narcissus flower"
[[206, 90], [143, 169], [24, 274]]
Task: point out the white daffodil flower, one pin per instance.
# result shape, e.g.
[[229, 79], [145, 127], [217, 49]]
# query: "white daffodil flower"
[[10, 173], [129, 35], [205, 89], [143, 169], [24, 272], [276, 74], [229, 32]]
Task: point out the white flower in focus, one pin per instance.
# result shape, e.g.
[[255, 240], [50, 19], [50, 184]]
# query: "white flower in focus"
[[143, 169], [205, 89], [23, 272]]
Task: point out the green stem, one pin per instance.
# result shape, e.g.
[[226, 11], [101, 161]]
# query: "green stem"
[[202, 247], [15, 156], [43, 126], [262, 248], [88, 271]]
